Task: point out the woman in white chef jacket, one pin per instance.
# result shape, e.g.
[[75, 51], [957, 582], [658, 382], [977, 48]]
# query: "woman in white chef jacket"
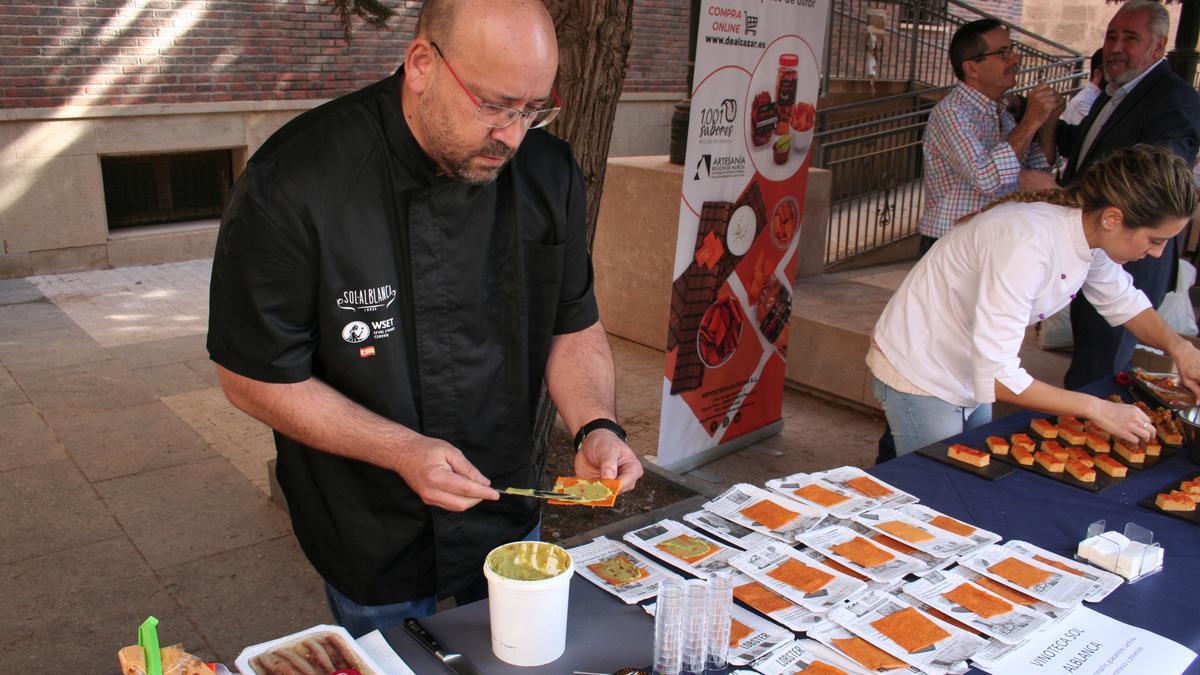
[[946, 346]]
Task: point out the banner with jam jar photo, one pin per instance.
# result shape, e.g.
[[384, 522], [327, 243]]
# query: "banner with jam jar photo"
[[758, 73]]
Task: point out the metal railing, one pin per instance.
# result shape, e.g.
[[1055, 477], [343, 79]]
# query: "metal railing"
[[873, 147]]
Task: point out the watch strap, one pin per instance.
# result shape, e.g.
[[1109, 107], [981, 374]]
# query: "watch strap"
[[600, 423]]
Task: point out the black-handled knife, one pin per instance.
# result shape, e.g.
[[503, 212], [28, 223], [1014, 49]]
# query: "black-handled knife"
[[455, 662]]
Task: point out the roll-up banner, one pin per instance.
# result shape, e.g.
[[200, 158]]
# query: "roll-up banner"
[[758, 73]]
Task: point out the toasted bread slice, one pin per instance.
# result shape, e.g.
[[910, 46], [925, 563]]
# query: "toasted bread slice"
[[1055, 448], [1092, 428], [1152, 448], [1109, 466], [1131, 454], [1080, 454], [1049, 462], [1023, 455], [997, 445], [1097, 442], [1081, 471], [1072, 435], [1168, 433], [1192, 487], [1070, 421], [1174, 501], [1043, 427], [1024, 440], [969, 455]]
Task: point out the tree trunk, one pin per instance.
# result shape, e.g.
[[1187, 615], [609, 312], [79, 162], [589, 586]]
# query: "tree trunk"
[[593, 42]]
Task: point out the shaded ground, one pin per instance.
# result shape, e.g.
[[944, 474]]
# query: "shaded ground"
[[561, 522]]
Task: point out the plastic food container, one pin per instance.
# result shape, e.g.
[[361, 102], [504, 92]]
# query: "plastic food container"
[[301, 644]]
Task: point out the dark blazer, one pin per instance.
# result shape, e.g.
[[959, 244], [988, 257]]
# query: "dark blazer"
[[1162, 110]]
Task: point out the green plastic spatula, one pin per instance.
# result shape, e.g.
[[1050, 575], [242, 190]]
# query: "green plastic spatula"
[[148, 641]]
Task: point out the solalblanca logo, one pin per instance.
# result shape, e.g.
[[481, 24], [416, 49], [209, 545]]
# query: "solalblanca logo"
[[367, 299]]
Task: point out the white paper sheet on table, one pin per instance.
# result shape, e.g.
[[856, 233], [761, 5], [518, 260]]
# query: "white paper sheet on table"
[[1088, 642], [377, 648]]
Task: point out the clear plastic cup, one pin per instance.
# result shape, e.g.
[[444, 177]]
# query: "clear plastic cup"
[[695, 627], [718, 607], [668, 627]]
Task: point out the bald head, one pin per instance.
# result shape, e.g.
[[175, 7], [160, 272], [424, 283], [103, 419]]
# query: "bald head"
[[521, 22]]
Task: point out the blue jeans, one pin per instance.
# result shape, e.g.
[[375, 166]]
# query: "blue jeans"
[[917, 421], [362, 619]]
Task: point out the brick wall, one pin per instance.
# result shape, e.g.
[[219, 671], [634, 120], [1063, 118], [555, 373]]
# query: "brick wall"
[[658, 56], [83, 52], [90, 53]]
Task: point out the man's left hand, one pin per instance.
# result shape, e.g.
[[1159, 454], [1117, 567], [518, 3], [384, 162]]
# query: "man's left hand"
[[604, 455]]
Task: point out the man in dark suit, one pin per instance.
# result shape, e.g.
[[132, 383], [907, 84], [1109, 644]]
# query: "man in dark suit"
[[1144, 102]]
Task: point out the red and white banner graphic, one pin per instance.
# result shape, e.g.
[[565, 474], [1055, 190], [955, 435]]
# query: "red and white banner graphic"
[[758, 73]]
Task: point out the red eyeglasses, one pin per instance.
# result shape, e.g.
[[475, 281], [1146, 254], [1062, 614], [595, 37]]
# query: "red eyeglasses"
[[498, 116]]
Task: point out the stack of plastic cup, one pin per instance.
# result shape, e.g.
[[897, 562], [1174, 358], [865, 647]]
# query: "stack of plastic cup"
[[718, 606], [695, 627], [668, 626]]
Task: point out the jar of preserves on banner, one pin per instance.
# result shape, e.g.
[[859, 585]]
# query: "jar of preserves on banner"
[[785, 90]]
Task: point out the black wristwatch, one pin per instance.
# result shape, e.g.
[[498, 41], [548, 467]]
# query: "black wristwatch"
[[595, 424]]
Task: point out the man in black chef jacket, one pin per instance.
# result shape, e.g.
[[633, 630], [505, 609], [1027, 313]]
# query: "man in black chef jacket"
[[395, 275]]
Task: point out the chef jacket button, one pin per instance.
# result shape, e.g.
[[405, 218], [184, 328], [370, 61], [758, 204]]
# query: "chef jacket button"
[[1042, 316], [1064, 276]]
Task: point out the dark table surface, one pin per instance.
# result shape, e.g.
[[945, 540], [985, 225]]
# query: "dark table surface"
[[604, 634]]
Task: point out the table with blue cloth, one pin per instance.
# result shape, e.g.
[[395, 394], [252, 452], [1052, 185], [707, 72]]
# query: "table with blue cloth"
[[604, 634]]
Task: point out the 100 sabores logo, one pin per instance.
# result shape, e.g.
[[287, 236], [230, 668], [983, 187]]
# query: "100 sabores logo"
[[717, 121]]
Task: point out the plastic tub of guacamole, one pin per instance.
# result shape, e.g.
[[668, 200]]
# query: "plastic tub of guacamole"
[[529, 584]]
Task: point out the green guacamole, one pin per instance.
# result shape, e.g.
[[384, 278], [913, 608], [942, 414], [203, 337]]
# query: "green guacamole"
[[528, 561]]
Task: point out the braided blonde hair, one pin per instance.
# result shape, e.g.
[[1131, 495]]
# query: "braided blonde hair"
[[1147, 183]]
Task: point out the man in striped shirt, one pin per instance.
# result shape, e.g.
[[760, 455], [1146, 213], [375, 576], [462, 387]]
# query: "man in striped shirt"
[[975, 149]]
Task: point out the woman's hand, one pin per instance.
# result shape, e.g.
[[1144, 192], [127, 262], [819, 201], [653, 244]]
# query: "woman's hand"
[[1124, 421], [1187, 360]]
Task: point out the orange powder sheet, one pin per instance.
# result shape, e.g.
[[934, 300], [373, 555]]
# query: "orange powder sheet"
[[1062, 566], [910, 629], [1020, 573], [902, 530], [982, 603], [687, 548], [893, 544], [862, 552], [619, 569], [819, 495], [868, 487], [820, 668], [769, 514], [738, 631], [798, 575], [563, 482], [867, 654], [952, 525], [761, 598], [1006, 592]]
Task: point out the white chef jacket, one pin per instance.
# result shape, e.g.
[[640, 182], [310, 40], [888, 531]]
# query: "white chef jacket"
[[955, 325]]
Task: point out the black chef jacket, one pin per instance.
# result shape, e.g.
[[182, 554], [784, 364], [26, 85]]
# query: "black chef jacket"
[[343, 256]]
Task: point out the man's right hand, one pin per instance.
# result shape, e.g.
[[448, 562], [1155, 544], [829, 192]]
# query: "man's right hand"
[[1032, 180], [441, 476], [1041, 104]]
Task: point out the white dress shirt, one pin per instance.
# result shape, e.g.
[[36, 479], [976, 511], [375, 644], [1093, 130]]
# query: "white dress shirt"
[[955, 326], [1080, 104]]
